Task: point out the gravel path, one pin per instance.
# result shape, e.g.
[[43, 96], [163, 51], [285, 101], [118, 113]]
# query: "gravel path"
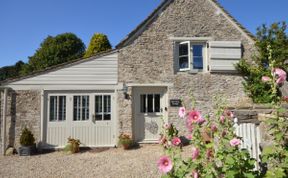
[[109, 163]]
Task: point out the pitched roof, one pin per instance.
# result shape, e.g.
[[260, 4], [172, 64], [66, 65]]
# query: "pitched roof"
[[57, 67], [165, 3]]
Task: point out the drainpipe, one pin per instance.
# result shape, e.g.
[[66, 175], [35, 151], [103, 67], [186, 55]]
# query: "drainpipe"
[[4, 119]]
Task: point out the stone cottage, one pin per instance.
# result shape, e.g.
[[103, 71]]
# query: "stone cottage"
[[183, 47]]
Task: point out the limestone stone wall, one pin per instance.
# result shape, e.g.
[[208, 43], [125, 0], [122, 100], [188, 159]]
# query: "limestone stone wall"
[[23, 109], [257, 114], [149, 58]]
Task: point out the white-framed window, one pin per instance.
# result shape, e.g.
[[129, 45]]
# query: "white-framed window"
[[102, 107], [191, 56], [80, 107], [57, 108]]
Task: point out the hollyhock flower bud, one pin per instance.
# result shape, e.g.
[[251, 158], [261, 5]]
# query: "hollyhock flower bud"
[[266, 79], [189, 137], [213, 128], [235, 142], [285, 98], [195, 174], [165, 164], [167, 126], [222, 119], [195, 153], [209, 153], [224, 133], [182, 112]]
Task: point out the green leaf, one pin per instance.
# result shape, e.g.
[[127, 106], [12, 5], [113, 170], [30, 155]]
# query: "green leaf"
[[229, 160], [268, 150]]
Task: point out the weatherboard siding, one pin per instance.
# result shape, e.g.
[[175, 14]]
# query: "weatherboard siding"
[[98, 71]]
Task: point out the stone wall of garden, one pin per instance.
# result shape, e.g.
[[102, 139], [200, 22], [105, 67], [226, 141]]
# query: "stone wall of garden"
[[23, 109], [257, 114], [149, 59]]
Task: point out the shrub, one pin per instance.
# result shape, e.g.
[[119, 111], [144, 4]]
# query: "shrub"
[[98, 43], [27, 138], [73, 145], [277, 39]]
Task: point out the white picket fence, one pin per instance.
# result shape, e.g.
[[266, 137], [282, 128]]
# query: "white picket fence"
[[250, 134]]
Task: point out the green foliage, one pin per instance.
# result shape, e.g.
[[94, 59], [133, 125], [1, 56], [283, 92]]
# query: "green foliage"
[[98, 43], [276, 155], [276, 38], [216, 156], [27, 138], [55, 50], [11, 71], [73, 146], [125, 140]]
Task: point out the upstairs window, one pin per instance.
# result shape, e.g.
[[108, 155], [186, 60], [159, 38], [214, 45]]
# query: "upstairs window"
[[191, 56]]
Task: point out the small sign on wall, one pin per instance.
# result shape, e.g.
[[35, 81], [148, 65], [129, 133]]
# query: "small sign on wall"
[[175, 103]]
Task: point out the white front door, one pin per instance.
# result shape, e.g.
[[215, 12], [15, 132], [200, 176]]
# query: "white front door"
[[149, 108], [85, 116]]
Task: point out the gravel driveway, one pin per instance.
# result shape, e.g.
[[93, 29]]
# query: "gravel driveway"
[[109, 163]]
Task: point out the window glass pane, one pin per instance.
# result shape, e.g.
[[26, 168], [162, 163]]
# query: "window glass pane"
[[62, 108], [143, 103], [157, 103], [76, 108], [53, 108], [107, 117], [150, 103], [98, 104], [107, 107], [107, 103], [85, 107], [98, 107], [197, 56], [183, 62], [98, 117], [183, 49]]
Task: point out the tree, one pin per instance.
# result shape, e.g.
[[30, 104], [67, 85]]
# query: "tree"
[[98, 43], [55, 50], [11, 71], [271, 44]]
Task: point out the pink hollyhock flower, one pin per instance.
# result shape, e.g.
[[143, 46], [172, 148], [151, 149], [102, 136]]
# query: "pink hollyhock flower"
[[182, 112], [235, 142], [165, 164], [281, 75], [194, 116], [266, 79], [176, 141], [195, 174], [222, 119], [195, 153], [213, 128]]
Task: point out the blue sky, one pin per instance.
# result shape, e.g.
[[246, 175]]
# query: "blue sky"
[[24, 24]]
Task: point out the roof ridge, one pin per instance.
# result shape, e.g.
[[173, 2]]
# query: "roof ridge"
[[162, 6]]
